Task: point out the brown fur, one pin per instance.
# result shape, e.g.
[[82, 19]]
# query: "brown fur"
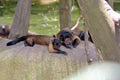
[[45, 40], [81, 34], [68, 37], [30, 40], [38, 39], [41, 40], [5, 30]]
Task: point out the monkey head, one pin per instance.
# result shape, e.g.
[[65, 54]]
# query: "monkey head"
[[4, 30], [66, 37], [56, 43]]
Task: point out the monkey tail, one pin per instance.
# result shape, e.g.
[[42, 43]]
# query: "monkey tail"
[[77, 23], [16, 40]]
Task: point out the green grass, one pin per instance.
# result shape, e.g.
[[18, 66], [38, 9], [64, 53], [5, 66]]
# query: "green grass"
[[6, 19], [46, 20], [44, 24], [117, 6]]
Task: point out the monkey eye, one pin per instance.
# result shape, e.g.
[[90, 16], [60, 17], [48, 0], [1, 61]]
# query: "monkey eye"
[[58, 44]]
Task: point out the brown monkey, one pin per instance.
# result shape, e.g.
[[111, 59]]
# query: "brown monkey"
[[5, 30], [68, 38], [80, 32], [30, 40]]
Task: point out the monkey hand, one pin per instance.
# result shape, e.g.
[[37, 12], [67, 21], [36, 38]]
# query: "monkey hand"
[[61, 52], [67, 46]]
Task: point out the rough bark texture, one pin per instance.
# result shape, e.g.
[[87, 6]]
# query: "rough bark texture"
[[36, 63], [21, 19], [110, 2], [117, 35], [100, 27], [65, 13]]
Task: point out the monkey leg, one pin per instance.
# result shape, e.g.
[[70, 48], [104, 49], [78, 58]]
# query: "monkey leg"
[[31, 44], [67, 46], [75, 43]]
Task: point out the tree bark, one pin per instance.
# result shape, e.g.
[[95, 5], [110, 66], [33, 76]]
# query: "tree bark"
[[117, 35], [116, 28], [65, 13], [18, 62], [110, 2], [21, 19], [100, 27]]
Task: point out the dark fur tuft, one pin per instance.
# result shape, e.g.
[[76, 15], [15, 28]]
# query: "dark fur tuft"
[[16, 41]]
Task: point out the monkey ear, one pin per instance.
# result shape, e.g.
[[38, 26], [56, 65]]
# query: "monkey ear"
[[54, 36]]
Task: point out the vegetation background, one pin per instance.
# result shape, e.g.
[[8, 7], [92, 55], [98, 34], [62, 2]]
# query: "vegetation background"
[[44, 17]]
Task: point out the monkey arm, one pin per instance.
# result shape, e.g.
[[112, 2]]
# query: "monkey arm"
[[76, 41], [65, 45], [60, 51]]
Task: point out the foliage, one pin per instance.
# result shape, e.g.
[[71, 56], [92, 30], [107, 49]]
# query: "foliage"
[[117, 6]]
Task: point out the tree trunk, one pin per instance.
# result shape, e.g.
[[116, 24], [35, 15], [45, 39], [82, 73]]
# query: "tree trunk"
[[65, 13], [110, 2], [21, 19], [117, 35], [100, 27], [18, 62]]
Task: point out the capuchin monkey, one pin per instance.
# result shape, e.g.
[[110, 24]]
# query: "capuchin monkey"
[[80, 32], [68, 39], [30, 40], [5, 31]]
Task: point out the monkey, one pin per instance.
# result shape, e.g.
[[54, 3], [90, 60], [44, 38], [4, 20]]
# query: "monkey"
[[30, 40], [5, 31], [68, 36], [68, 39], [80, 32]]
